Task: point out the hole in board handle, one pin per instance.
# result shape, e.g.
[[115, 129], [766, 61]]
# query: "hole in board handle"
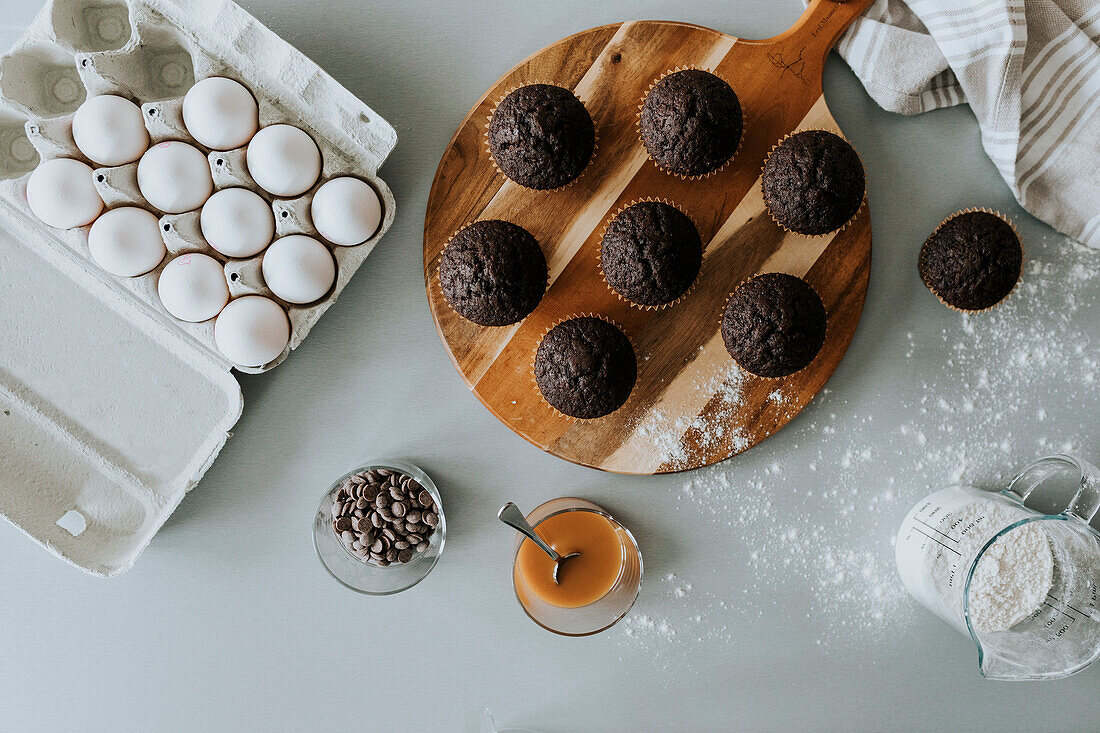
[[73, 522], [234, 277]]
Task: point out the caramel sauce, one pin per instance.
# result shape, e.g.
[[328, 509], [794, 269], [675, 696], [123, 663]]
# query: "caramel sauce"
[[582, 580]]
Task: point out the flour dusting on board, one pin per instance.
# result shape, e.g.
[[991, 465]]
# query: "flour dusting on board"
[[811, 513], [716, 428]]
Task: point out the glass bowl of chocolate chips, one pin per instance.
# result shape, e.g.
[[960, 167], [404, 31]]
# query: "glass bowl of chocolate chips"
[[380, 528]]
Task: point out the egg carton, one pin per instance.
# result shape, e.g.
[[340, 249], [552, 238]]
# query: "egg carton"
[[115, 409]]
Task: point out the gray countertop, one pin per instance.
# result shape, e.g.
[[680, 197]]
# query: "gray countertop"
[[770, 600]]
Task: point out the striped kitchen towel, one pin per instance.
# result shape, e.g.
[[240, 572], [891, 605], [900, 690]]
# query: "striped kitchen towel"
[[1030, 71]]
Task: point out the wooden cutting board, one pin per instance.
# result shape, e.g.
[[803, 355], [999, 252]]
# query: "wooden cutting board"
[[692, 406]]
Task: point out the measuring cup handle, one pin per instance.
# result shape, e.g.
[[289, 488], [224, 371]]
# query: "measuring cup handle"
[[1086, 500]]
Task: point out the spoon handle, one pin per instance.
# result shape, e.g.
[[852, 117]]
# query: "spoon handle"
[[511, 515]]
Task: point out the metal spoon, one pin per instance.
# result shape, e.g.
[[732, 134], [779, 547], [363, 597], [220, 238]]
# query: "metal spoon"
[[511, 515]]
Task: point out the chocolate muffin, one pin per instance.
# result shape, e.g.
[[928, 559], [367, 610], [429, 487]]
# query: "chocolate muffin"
[[774, 325], [493, 273], [585, 367], [541, 136], [972, 261], [691, 122], [651, 253], [813, 182]]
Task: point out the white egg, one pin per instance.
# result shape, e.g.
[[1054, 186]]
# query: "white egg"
[[298, 269], [346, 211], [220, 113], [237, 222], [252, 330], [110, 130], [62, 194], [283, 160], [174, 177], [192, 287], [126, 241]]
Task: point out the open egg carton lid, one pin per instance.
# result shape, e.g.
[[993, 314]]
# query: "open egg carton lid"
[[111, 409]]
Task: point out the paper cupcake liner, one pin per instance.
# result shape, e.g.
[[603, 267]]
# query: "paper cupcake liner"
[[488, 148], [534, 354], [681, 176], [740, 366], [1023, 256], [599, 257], [845, 225], [437, 283]]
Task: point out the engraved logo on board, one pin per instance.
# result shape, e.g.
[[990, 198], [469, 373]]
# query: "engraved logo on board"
[[795, 66]]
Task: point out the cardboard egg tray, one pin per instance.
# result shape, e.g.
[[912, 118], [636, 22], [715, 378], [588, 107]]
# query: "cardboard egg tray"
[[110, 408]]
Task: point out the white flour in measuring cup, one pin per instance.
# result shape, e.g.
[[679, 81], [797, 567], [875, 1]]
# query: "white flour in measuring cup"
[[938, 542], [1013, 575]]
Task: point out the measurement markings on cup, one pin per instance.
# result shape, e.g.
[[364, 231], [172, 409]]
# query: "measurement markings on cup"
[[938, 541], [1069, 606], [926, 524]]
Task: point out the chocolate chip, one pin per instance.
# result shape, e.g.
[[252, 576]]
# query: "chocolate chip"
[[383, 516]]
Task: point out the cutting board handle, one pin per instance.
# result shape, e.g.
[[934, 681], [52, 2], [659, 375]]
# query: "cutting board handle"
[[812, 36]]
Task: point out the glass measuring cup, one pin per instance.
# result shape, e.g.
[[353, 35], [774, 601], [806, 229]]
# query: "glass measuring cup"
[[944, 537]]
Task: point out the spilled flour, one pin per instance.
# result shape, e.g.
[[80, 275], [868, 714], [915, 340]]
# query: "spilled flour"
[[803, 525], [663, 431]]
